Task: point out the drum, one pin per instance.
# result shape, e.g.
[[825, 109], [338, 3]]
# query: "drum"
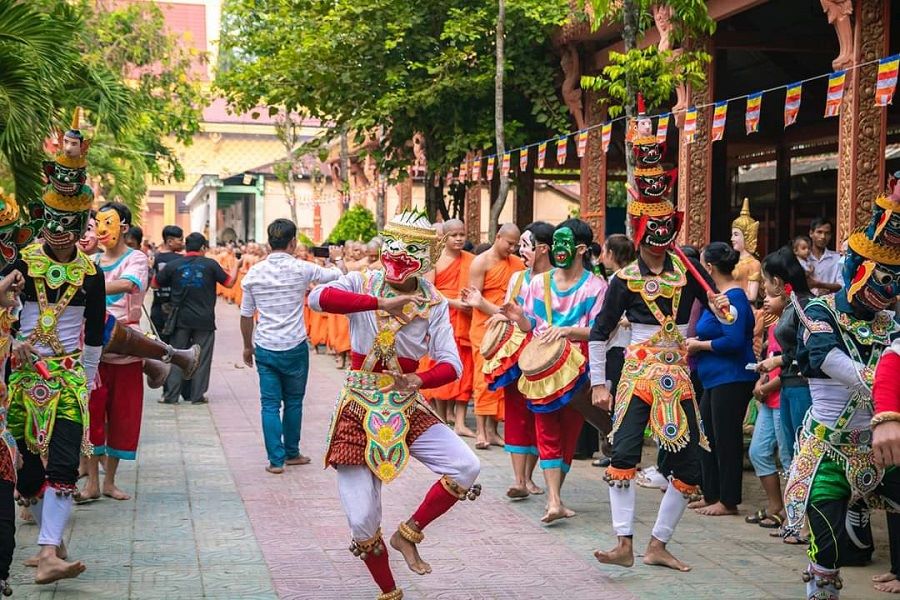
[[551, 373], [495, 337], [501, 346]]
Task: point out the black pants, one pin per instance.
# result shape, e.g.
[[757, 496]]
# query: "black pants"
[[827, 525], [185, 338], [628, 443], [7, 527], [723, 408], [62, 460]]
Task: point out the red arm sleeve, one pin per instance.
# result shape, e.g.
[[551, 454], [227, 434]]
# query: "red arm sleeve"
[[342, 302], [438, 375], [886, 391]]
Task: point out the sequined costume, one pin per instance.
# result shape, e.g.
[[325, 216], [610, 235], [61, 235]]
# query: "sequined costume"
[[62, 318], [655, 387], [841, 338], [377, 427]]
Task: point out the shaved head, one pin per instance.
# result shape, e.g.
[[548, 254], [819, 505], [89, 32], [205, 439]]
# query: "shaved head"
[[509, 229], [507, 239], [453, 224]]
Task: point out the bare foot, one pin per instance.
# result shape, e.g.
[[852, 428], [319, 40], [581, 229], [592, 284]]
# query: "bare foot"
[[717, 510], [622, 555], [481, 443], [410, 554], [533, 488], [61, 552], [25, 514], [554, 514], [517, 492], [495, 440], [889, 587], [657, 554], [463, 431], [884, 577], [52, 568], [111, 491], [701, 503]]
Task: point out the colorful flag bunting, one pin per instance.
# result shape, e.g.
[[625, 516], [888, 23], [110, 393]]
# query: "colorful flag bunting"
[[719, 114], [542, 155], [605, 136], [662, 129], [562, 147], [523, 159], [690, 125], [504, 166], [751, 119], [581, 143], [835, 93], [792, 103], [490, 169], [887, 80], [464, 171]]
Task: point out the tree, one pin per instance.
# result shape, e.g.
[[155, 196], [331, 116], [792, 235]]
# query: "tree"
[[287, 128], [357, 223], [132, 81], [423, 68], [503, 187], [653, 70]]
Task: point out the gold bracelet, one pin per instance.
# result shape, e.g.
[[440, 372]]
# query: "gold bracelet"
[[395, 594], [410, 534], [884, 417]]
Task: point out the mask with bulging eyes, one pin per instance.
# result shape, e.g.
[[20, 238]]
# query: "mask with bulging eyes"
[[63, 228], [404, 258], [526, 248], [870, 284], [660, 231]]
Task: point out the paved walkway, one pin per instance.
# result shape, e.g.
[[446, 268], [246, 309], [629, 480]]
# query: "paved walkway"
[[208, 522]]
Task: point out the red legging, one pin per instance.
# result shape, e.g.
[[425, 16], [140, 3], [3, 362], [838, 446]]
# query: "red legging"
[[557, 437], [518, 430]]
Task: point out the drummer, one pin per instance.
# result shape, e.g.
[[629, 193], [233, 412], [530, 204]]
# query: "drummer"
[[573, 296]]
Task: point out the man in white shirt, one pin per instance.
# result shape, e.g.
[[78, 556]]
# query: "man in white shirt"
[[824, 263], [275, 289]]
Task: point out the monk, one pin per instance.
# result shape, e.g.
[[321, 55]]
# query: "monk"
[[488, 278], [451, 276], [373, 253]]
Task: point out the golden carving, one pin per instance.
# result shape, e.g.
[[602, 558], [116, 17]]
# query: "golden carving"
[[593, 170], [472, 214]]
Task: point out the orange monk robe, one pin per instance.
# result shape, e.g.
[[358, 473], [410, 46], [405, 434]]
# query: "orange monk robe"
[[228, 262], [450, 283], [339, 333], [496, 281], [237, 292], [316, 325]]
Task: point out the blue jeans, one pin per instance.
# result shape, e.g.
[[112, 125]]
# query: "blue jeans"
[[795, 401], [767, 434], [282, 379]]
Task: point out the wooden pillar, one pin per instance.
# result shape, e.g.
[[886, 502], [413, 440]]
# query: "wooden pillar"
[[862, 127], [404, 191], [695, 160], [593, 170], [786, 227], [524, 199]]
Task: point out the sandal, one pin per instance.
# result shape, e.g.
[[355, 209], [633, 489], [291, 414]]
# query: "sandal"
[[756, 517], [771, 522], [794, 539]]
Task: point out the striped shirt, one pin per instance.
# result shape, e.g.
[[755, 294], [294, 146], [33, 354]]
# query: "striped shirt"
[[577, 306], [275, 288]]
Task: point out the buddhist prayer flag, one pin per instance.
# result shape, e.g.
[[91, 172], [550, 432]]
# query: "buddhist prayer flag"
[[690, 125], [887, 80], [562, 147], [605, 136], [476, 169], [792, 103], [523, 159], [662, 129], [464, 171], [542, 155], [490, 168], [718, 126], [751, 119], [504, 166], [581, 143], [835, 93]]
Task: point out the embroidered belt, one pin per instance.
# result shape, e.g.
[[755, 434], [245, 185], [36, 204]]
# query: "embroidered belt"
[[658, 375], [385, 418], [849, 448]]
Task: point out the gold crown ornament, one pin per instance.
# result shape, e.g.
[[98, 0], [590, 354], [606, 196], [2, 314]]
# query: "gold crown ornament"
[[414, 226], [9, 209], [747, 226]]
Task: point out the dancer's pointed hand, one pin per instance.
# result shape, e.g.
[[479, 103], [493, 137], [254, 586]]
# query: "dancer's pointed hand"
[[402, 382]]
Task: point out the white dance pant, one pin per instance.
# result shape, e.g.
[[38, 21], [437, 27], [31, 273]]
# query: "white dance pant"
[[621, 501], [438, 448]]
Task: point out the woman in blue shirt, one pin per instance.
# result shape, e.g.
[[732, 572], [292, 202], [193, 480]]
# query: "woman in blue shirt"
[[722, 353]]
